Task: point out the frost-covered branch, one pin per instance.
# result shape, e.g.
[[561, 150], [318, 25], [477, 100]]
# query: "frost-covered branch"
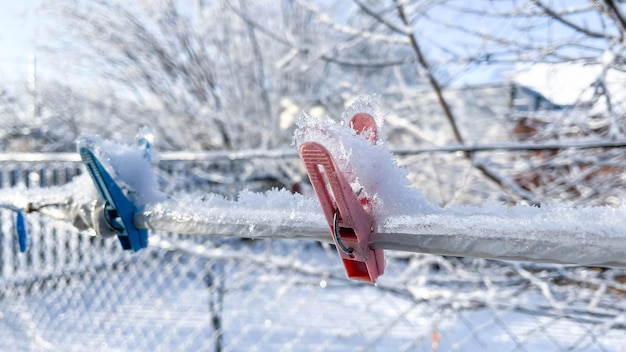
[[561, 18]]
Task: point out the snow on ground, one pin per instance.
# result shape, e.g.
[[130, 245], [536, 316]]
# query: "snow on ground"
[[288, 297]]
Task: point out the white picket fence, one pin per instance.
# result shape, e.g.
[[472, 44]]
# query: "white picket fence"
[[56, 248]]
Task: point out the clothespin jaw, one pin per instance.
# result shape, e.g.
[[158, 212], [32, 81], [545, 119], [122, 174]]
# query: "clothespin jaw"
[[118, 209], [349, 219]]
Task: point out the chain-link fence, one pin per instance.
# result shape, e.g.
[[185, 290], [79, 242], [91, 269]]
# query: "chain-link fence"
[[72, 292]]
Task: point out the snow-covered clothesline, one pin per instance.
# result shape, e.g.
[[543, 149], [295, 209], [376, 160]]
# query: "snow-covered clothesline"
[[553, 234], [403, 218]]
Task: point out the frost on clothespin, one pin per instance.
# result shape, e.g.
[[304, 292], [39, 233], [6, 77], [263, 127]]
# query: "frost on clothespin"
[[125, 182], [348, 214], [365, 160]]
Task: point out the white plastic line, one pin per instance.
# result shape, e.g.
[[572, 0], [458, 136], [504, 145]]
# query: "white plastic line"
[[481, 236]]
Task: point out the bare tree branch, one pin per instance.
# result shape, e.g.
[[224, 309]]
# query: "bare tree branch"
[[431, 78], [569, 23], [401, 30], [617, 15]]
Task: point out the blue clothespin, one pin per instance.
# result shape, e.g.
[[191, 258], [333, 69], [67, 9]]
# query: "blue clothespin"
[[118, 209], [21, 230]]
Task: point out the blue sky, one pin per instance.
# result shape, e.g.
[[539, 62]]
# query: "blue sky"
[[17, 34], [19, 23]]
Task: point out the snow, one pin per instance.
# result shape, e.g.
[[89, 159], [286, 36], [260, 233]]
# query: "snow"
[[278, 213], [407, 221], [563, 84], [274, 214], [117, 310], [555, 234], [370, 167], [130, 165], [288, 296], [571, 84], [404, 218], [55, 202]]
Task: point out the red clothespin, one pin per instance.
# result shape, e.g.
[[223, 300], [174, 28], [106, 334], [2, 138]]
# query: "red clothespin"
[[349, 219]]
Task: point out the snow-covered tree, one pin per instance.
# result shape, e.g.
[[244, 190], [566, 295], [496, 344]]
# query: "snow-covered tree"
[[197, 63], [218, 74]]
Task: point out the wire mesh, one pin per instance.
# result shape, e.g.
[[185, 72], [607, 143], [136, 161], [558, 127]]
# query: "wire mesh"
[[73, 292]]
